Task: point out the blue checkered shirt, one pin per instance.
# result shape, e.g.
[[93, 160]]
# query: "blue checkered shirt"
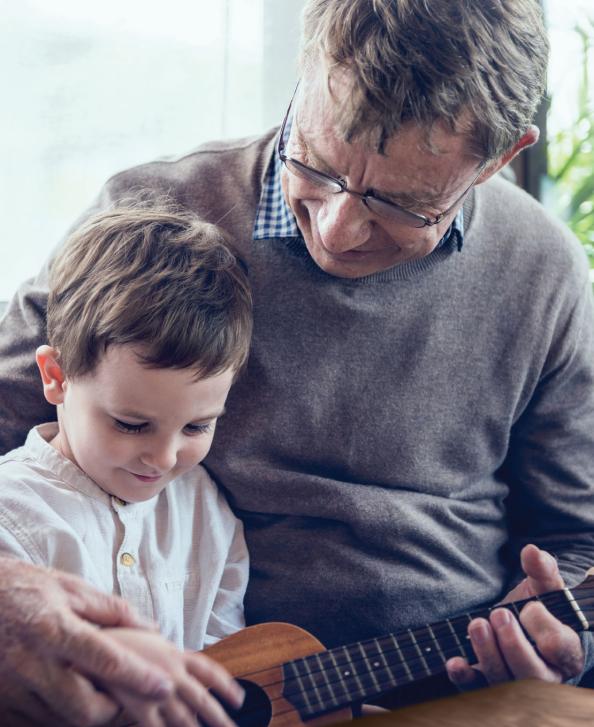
[[274, 218]]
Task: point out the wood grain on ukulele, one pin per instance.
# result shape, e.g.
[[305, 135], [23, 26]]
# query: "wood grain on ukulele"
[[291, 679]]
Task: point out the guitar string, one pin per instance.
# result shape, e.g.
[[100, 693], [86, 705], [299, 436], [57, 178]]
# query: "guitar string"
[[421, 631], [384, 685], [391, 682], [460, 621]]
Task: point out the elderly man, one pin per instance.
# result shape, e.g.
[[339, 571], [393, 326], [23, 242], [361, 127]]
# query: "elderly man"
[[419, 401]]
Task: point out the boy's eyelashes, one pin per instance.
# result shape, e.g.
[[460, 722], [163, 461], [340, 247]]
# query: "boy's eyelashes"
[[199, 428], [194, 428], [127, 427]]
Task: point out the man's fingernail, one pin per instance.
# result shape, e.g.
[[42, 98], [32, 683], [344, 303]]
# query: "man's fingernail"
[[238, 693], [480, 632], [501, 617]]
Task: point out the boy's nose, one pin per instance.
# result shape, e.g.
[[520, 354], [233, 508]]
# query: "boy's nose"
[[161, 456]]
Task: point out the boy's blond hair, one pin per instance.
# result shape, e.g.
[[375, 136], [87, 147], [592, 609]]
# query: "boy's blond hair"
[[157, 278]]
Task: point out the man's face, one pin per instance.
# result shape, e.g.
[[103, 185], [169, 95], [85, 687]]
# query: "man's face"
[[342, 235], [133, 429]]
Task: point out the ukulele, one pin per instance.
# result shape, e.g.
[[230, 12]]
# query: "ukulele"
[[290, 679]]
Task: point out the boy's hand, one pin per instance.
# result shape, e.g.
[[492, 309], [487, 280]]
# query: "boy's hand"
[[192, 675]]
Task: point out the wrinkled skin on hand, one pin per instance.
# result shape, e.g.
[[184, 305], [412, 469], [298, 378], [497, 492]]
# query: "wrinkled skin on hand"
[[53, 654], [192, 674], [501, 646]]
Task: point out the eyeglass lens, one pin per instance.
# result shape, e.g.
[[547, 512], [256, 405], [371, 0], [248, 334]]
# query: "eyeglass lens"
[[378, 206]]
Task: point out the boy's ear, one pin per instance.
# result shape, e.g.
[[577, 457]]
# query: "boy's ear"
[[51, 374]]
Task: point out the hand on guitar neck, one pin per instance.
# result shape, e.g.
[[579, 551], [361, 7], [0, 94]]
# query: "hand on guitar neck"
[[290, 679], [502, 647]]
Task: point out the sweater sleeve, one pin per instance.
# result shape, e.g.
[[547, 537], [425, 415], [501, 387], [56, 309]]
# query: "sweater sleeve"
[[22, 330], [550, 467]]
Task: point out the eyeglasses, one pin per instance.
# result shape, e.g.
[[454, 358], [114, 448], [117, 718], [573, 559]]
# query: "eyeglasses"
[[379, 206]]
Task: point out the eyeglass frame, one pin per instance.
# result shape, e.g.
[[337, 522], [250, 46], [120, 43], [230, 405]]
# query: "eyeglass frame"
[[370, 194]]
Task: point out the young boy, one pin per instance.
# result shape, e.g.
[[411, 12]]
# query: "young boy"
[[148, 324]]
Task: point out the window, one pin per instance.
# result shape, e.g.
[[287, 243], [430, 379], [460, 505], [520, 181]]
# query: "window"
[[568, 188], [91, 88]]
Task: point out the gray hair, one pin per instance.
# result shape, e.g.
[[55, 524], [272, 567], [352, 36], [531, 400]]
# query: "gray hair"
[[476, 66]]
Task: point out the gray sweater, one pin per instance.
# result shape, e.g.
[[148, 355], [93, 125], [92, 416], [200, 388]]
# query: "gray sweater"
[[396, 438]]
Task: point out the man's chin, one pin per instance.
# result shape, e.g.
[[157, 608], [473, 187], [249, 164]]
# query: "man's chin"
[[350, 265]]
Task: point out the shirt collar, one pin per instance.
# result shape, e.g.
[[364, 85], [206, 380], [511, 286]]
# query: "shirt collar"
[[275, 220]]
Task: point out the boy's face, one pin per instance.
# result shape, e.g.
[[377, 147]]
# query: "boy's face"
[[133, 429]]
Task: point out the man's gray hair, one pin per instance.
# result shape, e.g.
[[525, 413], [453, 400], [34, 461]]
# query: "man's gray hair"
[[477, 66]]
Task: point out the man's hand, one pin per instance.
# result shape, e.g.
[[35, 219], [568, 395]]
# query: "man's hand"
[[501, 647], [52, 654], [192, 675]]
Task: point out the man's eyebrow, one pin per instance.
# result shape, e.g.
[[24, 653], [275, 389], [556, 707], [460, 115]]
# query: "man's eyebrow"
[[406, 200]]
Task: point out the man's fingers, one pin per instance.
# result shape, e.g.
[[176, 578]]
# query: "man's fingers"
[[96, 654], [484, 642], [138, 712], [541, 569], [205, 673], [61, 697], [26, 709], [100, 608], [463, 676], [519, 654], [176, 713], [558, 645], [76, 701], [215, 677]]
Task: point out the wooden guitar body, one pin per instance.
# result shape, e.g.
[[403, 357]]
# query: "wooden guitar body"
[[291, 679], [255, 657]]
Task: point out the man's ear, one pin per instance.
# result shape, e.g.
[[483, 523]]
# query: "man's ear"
[[51, 374], [528, 139]]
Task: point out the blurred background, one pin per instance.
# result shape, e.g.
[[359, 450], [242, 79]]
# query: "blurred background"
[[91, 88]]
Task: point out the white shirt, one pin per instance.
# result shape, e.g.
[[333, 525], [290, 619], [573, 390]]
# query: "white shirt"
[[180, 558]]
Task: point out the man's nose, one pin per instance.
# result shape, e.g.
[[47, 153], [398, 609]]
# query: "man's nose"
[[343, 222]]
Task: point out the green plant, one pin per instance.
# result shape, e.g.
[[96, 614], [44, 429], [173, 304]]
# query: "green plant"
[[571, 155]]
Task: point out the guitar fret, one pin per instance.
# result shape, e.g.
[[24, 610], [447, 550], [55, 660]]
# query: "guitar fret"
[[308, 673], [403, 661], [461, 648], [416, 645], [302, 690], [339, 674], [439, 649], [432, 656], [471, 657], [352, 672], [512, 606], [328, 680], [388, 668], [369, 668], [323, 671]]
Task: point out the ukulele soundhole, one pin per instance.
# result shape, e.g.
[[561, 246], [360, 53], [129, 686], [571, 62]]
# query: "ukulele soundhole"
[[256, 710]]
